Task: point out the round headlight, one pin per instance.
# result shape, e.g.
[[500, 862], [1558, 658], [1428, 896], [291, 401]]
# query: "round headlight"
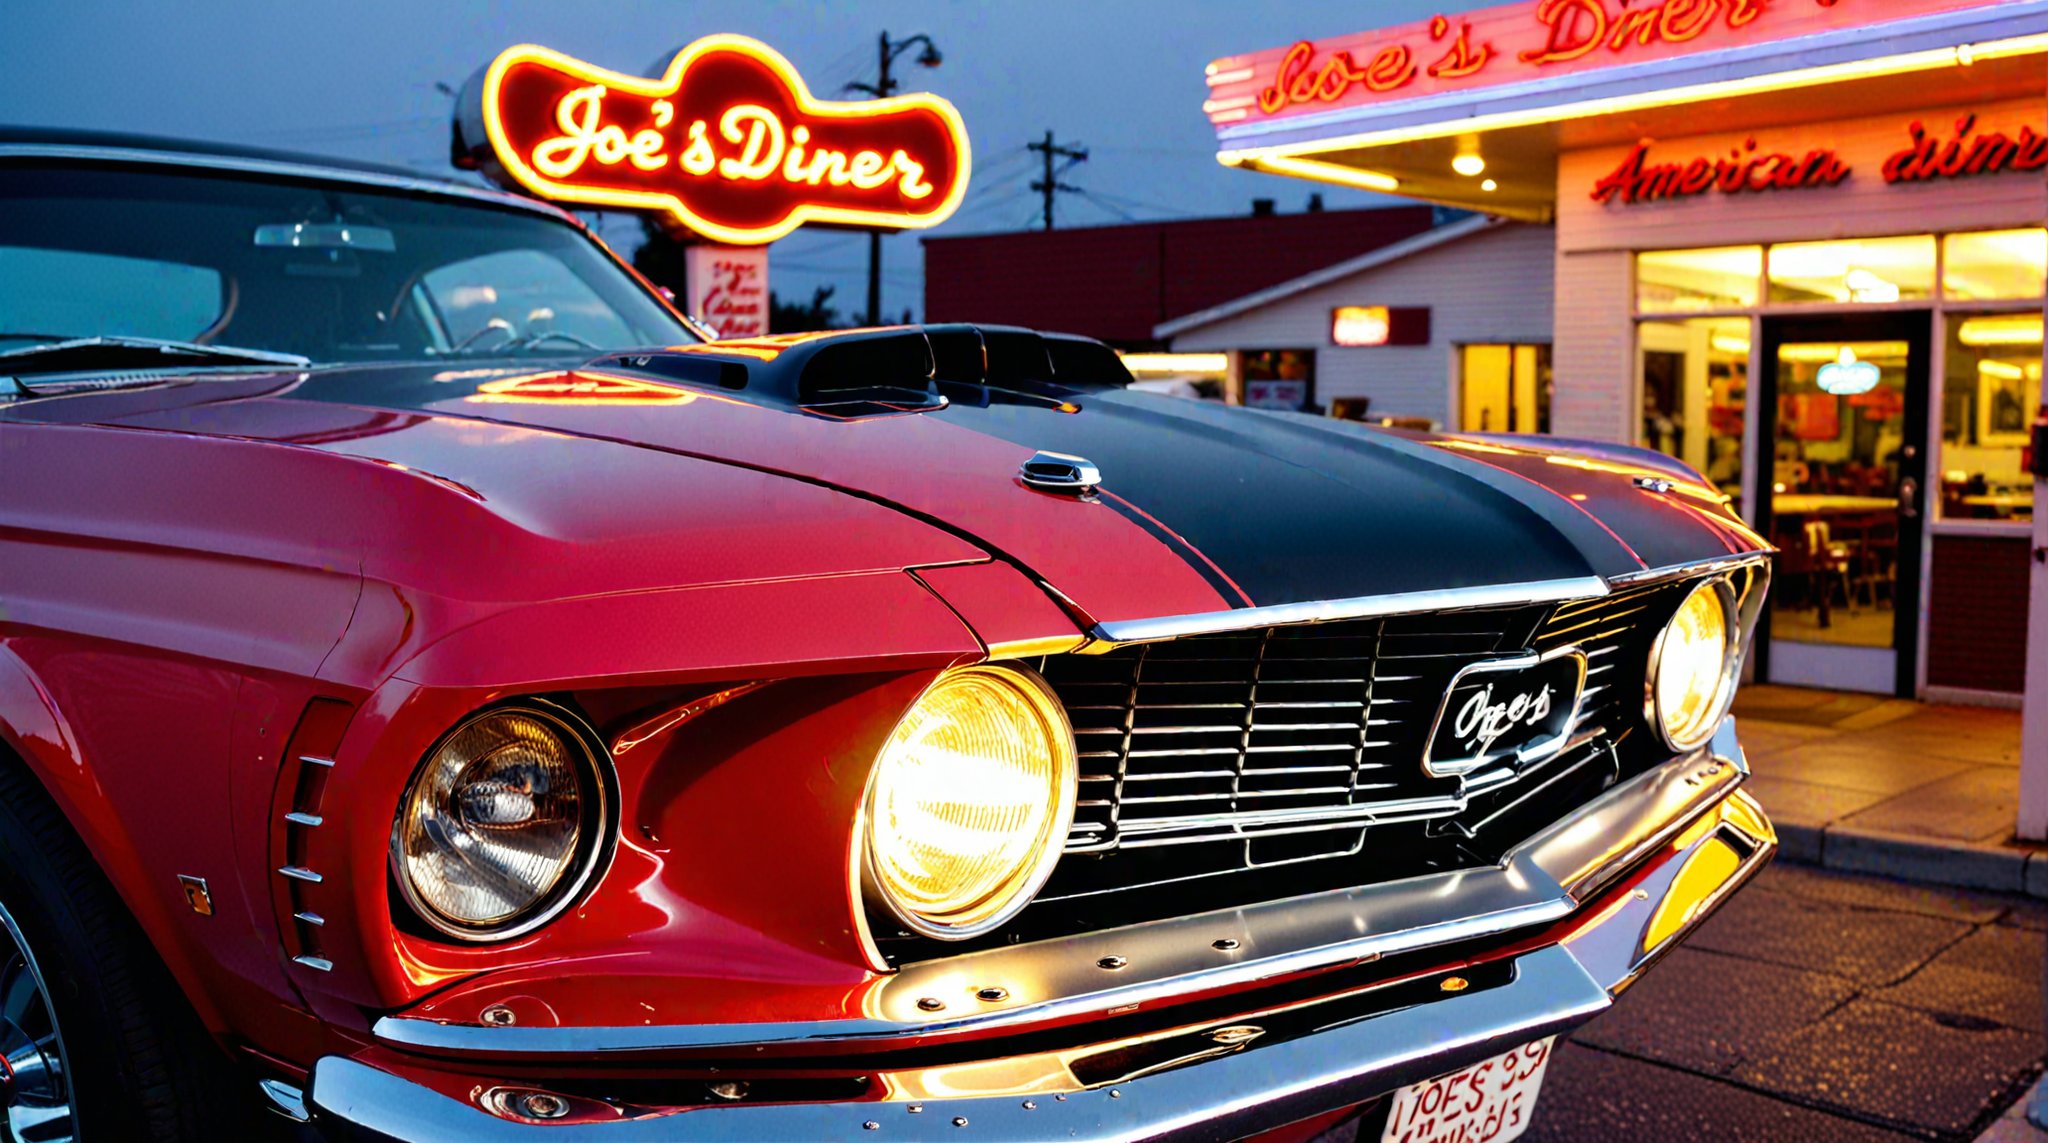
[[970, 801], [503, 824], [1692, 668]]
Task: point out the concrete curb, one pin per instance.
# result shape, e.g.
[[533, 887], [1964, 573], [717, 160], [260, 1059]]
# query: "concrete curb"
[[2000, 868]]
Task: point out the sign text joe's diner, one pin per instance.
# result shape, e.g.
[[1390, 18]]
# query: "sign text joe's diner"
[[1516, 42], [728, 141]]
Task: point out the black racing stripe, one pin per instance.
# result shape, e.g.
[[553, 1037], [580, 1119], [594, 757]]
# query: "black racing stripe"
[[1292, 511], [1203, 565]]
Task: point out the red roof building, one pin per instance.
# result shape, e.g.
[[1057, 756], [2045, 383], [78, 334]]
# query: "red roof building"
[[1118, 282]]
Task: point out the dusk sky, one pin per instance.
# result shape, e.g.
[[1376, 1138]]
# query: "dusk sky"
[[1122, 77]]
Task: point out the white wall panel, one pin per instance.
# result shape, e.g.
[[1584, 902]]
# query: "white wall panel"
[[1494, 286]]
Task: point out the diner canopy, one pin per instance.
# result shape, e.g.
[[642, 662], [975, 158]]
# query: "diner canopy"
[[1472, 110]]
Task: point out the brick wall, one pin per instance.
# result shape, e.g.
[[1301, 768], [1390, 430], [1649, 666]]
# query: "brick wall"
[[1977, 630]]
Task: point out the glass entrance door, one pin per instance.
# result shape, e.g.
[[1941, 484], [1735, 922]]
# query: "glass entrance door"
[[1842, 494]]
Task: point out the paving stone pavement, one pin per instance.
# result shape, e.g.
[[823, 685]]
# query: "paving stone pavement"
[[1820, 1006], [1870, 784]]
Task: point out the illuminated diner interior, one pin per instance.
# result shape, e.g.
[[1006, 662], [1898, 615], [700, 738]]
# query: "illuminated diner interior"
[[1801, 250]]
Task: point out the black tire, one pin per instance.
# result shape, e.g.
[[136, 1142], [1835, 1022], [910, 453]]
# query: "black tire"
[[138, 1063]]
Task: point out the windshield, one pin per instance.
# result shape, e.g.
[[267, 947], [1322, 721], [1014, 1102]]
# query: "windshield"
[[331, 272]]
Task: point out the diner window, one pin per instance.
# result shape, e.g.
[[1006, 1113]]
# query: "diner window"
[[1279, 378], [1504, 388], [1689, 281], [1989, 398], [1868, 271], [1695, 387], [1994, 265]]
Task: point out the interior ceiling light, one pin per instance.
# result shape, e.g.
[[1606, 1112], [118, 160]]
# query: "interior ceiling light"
[[2007, 329], [1489, 186], [1468, 164]]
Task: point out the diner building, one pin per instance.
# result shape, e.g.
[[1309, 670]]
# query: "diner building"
[[1798, 243]]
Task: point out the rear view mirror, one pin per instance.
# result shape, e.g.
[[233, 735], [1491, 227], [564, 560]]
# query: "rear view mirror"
[[327, 236]]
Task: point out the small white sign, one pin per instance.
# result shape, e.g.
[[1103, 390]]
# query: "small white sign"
[[728, 288]]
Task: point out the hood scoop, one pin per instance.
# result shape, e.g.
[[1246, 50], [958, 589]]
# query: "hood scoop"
[[884, 372], [1058, 472]]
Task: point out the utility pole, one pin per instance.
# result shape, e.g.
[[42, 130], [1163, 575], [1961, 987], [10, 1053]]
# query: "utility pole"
[[1050, 184], [885, 84]]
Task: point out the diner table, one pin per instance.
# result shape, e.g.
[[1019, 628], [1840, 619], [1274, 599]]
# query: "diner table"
[[1795, 506], [1998, 505]]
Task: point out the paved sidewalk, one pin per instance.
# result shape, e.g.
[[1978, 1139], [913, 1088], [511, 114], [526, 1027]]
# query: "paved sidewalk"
[[1869, 784]]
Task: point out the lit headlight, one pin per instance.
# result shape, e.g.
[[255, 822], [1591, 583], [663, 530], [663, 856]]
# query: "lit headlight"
[[503, 826], [970, 801], [1693, 667]]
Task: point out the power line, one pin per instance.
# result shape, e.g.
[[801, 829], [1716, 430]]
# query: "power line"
[[1141, 204], [1109, 206], [1050, 184]]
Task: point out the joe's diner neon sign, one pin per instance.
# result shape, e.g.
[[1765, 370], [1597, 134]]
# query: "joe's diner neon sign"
[[728, 140]]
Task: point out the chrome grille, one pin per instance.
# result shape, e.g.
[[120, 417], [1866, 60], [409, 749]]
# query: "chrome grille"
[[1266, 732]]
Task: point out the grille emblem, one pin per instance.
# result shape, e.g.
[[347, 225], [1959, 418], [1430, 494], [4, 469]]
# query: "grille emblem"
[[1058, 472], [1512, 711]]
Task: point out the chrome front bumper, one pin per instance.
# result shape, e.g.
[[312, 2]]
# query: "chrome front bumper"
[[1539, 945]]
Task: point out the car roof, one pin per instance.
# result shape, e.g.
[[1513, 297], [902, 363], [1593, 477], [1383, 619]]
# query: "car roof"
[[203, 153]]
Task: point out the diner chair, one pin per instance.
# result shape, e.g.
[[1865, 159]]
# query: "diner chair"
[[1877, 556], [1830, 560]]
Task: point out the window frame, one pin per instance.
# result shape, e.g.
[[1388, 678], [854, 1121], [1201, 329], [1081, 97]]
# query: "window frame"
[[1938, 303]]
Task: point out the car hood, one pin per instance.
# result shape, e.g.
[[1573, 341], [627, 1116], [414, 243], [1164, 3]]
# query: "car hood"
[[1201, 507]]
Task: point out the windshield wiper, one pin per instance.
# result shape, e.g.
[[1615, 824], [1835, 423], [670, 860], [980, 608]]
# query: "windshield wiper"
[[83, 354]]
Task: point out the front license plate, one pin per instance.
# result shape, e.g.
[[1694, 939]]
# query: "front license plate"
[[1489, 1102]]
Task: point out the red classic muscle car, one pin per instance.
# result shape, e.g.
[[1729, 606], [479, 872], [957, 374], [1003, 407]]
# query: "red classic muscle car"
[[443, 697]]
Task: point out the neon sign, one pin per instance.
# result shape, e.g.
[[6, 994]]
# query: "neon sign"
[[1845, 376], [1963, 154], [1515, 42], [728, 141], [1745, 169]]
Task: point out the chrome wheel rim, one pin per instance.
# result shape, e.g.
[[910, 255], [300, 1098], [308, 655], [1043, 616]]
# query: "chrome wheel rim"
[[35, 1088]]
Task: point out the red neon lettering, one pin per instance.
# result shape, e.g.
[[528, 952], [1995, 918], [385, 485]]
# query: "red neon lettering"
[[1964, 154], [1575, 27], [1684, 20], [728, 141], [1566, 41], [1743, 171], [1462, 59], [1391, 67]]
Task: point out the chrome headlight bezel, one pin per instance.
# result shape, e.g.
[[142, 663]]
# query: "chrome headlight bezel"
[[598, 812], [1063, 789], [1723, 588]]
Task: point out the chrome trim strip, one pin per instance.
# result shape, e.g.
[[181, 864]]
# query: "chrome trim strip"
[[1715, 566], [1362, 607], [317, 964], [145, 156], [1543, 880], [1573, 590], [285, 1100], [299, 818], [297, 873]]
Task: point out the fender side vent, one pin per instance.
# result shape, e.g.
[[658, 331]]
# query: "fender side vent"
[[297, 821]]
